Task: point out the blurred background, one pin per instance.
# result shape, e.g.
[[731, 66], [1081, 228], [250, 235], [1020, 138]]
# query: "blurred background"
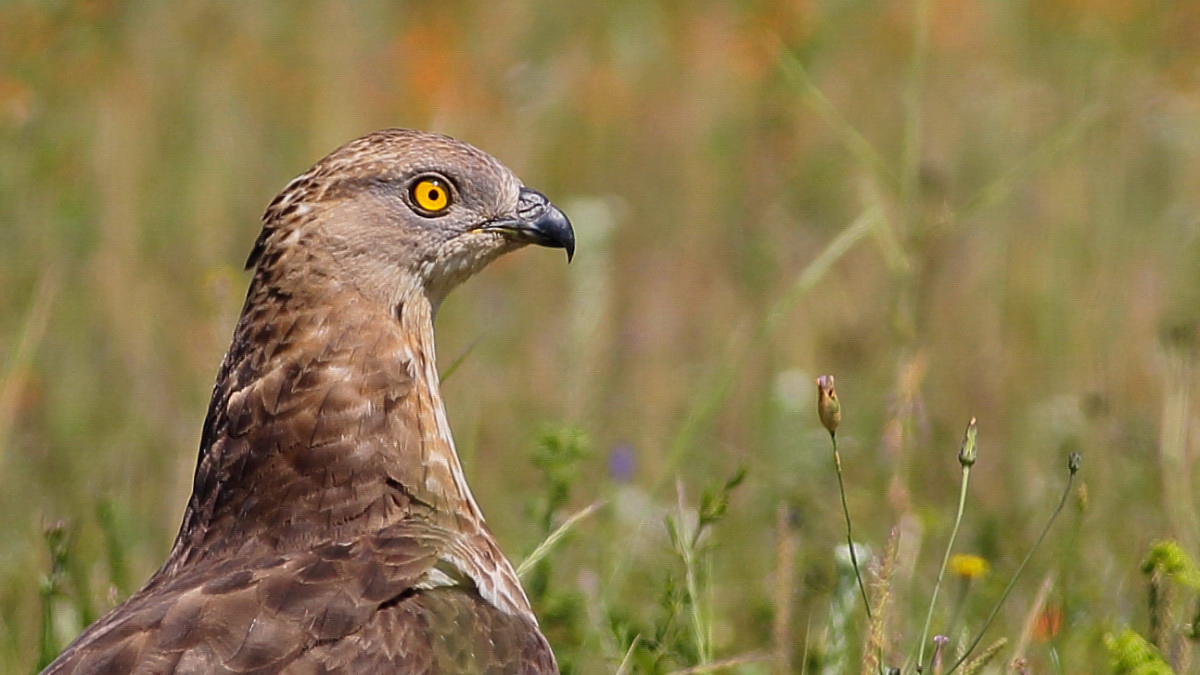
[[960, 208]]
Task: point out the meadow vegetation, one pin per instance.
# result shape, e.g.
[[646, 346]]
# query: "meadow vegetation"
[[962, 209]]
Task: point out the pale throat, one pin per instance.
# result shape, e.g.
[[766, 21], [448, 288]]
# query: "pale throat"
[[492, 574], [443, 474]]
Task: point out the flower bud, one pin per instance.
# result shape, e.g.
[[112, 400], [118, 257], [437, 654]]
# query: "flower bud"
[[828, 408], [968, 451]]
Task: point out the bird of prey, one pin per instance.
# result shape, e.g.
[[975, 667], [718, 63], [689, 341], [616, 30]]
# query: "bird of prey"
[[330, 528]]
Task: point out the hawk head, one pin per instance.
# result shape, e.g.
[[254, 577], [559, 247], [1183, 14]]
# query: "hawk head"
[[400, 211]]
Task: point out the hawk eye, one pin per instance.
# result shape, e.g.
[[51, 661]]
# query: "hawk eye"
[[430, 194]]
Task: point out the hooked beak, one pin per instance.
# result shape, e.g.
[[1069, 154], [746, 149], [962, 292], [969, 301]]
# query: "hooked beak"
[[538, 222]]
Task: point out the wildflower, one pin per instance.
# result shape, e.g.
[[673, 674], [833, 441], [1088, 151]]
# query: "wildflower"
[[622, 463], [828, 408], [968, 567]]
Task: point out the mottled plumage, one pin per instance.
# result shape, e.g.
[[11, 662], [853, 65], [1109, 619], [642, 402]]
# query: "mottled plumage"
[[330, 528]]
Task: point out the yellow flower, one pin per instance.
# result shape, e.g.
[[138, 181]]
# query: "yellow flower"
[[968, 567]]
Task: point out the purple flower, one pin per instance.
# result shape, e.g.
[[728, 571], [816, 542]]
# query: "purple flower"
[[622, 463]]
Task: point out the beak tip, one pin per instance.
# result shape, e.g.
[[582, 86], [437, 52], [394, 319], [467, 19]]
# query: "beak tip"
[[567, 239], [545, 224]]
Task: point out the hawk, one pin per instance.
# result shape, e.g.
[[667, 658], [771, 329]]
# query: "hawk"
[[330, 528]]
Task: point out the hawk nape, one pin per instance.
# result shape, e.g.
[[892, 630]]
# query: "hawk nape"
[[330, 528]]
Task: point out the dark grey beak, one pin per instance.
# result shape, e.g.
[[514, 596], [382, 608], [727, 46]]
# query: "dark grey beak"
[[539, 222]]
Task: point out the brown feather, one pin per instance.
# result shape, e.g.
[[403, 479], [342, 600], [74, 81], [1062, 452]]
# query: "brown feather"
[[330, 528]]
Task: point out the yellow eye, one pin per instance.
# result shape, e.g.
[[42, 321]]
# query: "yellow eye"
[[431, 194]]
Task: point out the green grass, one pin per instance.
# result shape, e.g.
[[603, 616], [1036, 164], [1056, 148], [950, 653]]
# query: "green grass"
[[960, 209]]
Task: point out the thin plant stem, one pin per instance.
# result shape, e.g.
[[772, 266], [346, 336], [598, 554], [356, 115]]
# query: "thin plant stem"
[[837, 462], [710, 396], [685, 546], [911, 162], [1003, 186], [723, 664], [627, 662], [16, 372], [962, 501], [798, 76], [698, 624], [553, 538], [48, 646], [785, 563], [460, 359], [1073, 464]]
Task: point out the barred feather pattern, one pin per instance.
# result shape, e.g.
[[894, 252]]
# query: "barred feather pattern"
[[330, 527]]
